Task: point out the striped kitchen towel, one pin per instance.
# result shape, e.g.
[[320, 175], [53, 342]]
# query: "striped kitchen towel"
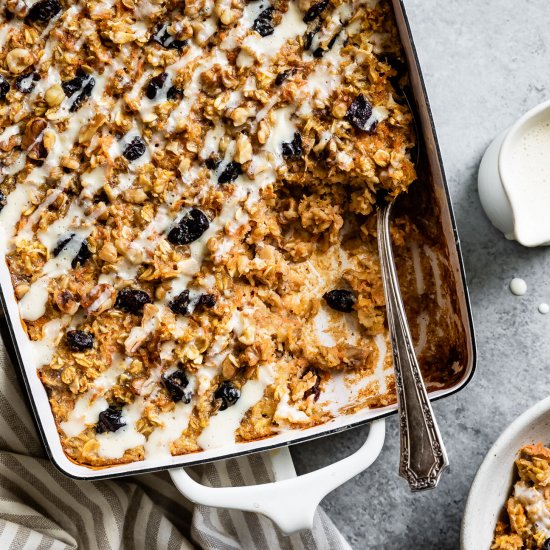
[[42, 509]]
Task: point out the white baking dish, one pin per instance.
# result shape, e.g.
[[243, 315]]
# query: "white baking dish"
[[297, 514]]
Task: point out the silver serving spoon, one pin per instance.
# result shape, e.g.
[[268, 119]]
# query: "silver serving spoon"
[[423, 457]]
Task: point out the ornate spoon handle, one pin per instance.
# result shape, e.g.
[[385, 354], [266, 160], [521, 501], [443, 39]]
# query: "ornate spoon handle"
[[423, 456]]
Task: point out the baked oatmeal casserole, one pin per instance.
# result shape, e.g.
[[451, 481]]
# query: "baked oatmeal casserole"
[[526, 522], [187, 201]]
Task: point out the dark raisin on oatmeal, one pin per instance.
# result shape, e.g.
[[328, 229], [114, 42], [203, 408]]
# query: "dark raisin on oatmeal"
[[174, 93], [207, 301], [155, 84], [132, 300], [230, 173], [82, 256], [340, 300], [293, 149], [26, 83], [4, 87], [110, 420], [315, 11], [190, 228], [165, 39], [263, 24], [83, 95], [175, 383], [44, 10], [228, 394], [80, 340], [135, 149], [359, 114], [73, 85], [180, 304]]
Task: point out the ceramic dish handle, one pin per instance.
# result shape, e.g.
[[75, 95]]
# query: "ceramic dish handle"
[[290, 501]]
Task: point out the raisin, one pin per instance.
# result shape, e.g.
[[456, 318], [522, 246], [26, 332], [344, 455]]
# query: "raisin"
[[176, 383], [2, 200], [545, 545], [340, 300], [190, 227], [155, 84], [315, 11], [174, 93], [281, 77], [82, 256], [135, 149], [315, 390], [166, 40], [83, 253], [359, 114], [212, 163], [228, 394], [207, 300], [333, 41], [83, 95], [44, 10], [310, 35], [26, 82], [319, 52], [80, 340], [263, 24], [72, 86], [180, 304], [230, 173], [4, 87], [109, 420], [62, 244], [293, 149], [132, 300]]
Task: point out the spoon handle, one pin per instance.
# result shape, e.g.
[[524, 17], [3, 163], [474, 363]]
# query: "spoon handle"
[[423, 456]]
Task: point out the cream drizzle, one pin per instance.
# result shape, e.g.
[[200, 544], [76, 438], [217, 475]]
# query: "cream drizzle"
[[221, 428]]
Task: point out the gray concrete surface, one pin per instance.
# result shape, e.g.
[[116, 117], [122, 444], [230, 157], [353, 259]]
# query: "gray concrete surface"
[[485, 63]]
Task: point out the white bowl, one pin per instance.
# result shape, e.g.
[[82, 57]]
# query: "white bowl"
[[493, 482]]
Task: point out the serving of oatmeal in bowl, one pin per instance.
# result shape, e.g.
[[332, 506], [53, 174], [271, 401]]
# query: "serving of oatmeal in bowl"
[[508, 507]]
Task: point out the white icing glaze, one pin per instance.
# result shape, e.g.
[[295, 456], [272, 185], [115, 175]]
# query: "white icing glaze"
[[113, 445], [9, 131], [41, 352], [179, 114], [91, 403], [291, 26], [282, 131], [221, 429], [33, 305], [535, 506], [172, 424], [287, 413], [93, 181]]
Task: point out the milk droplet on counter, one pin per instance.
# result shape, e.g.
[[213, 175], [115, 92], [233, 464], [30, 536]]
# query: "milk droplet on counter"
[[544, 309], [518, 287]]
